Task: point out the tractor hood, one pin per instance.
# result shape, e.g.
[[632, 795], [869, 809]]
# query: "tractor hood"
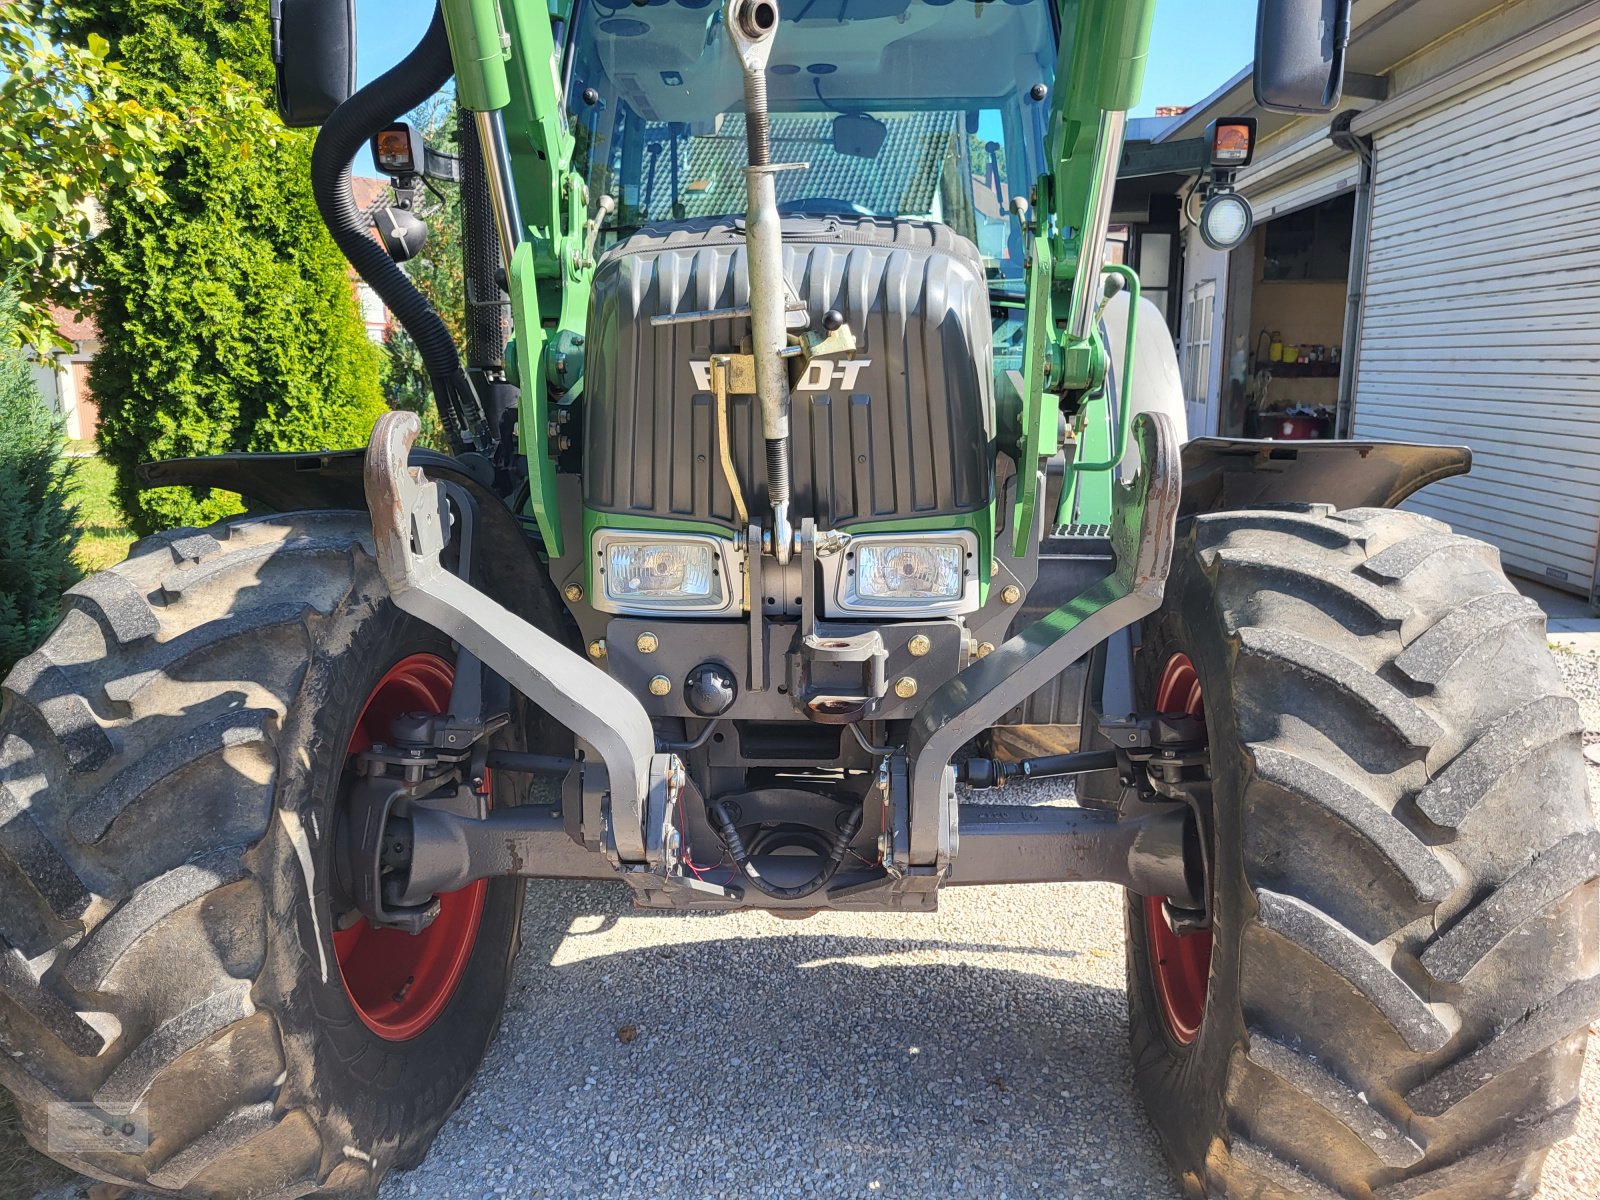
[[900, 429]]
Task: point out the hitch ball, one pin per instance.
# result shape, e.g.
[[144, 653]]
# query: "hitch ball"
[[710, 690]]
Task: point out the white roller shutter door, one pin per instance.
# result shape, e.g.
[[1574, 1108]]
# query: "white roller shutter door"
[[1482, 320]]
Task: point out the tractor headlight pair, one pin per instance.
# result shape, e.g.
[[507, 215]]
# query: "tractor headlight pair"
[[910, 575]]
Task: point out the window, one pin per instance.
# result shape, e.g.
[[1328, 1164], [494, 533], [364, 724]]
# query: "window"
[[900, 108], [1199, 315], [1155, 268]]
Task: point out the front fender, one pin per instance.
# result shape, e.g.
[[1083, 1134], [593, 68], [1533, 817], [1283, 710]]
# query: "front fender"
[[1221, 474], [504, 562]]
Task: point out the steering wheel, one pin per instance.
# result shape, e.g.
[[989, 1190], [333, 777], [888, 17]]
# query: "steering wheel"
[[824, 206]]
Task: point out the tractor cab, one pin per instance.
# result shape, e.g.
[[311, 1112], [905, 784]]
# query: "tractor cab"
[[886, 109]]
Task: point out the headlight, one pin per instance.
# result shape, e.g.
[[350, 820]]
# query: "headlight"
[[910, 575], [661, 573]]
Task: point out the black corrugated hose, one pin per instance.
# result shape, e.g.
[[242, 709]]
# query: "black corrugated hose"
[[729, 833], [381, 103]]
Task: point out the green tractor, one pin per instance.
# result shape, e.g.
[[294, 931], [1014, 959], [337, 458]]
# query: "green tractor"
[[269, 792]]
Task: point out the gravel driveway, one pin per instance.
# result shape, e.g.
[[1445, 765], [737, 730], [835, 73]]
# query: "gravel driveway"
[[977, 1052]]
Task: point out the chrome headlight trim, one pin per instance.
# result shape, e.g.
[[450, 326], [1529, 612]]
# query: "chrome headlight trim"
[[726, 563], [839, 579]]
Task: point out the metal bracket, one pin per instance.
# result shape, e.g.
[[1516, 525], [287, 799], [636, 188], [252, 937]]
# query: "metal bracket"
[[409, 519], [1142, 532]]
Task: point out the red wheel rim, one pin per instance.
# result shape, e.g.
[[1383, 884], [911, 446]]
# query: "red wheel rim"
[[1180, 965], [397, 983]]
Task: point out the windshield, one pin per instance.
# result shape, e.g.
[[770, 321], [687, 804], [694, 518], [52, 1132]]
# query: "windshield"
[[902, 108]]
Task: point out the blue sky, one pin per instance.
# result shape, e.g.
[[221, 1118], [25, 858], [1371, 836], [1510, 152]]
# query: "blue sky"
[[1198, 45]]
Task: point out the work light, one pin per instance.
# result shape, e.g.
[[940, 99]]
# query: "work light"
[[1226, 221]]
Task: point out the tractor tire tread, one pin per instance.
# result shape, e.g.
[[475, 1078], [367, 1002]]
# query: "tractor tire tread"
[[1324, 668], [1358, 964], [1463, 784], [1364, 814], [68, 880], [236, 1130], [144, 911], [1416, 863], [1310, 575], [1429, 660], [1540, 1030], [1509, 1150], [1565, 867], [1387, 1140]]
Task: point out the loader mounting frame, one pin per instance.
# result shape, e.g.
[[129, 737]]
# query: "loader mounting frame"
[[627, 790]]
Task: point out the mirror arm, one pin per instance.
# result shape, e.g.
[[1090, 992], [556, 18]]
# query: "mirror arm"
[[1366, 87]]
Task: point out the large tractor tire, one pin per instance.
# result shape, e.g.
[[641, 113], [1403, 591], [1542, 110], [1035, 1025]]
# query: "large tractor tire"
[[1394, 996], [170, 959]]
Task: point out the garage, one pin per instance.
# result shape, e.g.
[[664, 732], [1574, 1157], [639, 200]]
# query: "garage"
[[1482, 305]]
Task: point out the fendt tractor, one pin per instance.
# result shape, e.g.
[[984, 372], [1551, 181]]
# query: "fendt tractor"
[[810, 472]]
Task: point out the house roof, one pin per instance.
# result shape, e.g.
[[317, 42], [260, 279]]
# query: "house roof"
[[903, 178], [368, 191], [73, 326]]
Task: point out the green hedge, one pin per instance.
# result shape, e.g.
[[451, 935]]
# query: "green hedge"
[[226, 316]]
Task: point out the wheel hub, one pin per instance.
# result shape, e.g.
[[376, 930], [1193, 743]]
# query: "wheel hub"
[[1180, 963], [399, 983]]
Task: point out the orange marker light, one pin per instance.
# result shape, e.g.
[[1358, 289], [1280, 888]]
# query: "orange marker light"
[[394, 151], [1233, 142]]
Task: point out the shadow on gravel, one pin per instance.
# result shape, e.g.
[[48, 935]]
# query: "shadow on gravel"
[[649, 1055]]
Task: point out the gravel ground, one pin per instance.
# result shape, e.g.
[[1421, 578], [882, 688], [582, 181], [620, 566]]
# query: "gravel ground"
[[977, 1052]]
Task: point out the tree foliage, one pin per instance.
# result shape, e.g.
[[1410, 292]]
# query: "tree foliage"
[[227, 319], [36, 519], [68, 126]]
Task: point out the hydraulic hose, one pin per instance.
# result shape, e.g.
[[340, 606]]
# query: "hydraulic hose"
[[751, 26], [729, 833], [381, 103], [488, 309]]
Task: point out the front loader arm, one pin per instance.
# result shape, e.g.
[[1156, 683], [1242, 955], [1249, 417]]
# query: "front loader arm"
[[1100, 73], [508, 65]]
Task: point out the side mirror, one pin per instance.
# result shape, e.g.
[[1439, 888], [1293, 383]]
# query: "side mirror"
[[314, 52], [859, 135], [1300, 51]]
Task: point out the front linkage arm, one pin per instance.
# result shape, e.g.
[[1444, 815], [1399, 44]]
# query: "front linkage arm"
[[409, 516], [1142, 532]]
